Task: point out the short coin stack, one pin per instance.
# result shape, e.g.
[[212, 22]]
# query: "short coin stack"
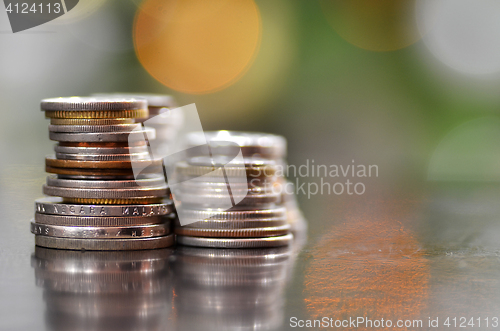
[[258, 220], [101, 206]]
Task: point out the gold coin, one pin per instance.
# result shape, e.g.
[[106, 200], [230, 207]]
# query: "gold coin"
[[91, 121], [89, 201], [52, 162], [138, 113]]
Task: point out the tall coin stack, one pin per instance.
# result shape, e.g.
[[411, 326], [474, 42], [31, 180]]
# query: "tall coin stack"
[[259, 220], [99, 204]]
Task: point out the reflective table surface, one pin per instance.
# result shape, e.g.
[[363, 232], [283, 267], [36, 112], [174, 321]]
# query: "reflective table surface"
[[425, 254]]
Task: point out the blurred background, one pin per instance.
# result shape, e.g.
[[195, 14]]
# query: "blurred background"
[[411, 86]]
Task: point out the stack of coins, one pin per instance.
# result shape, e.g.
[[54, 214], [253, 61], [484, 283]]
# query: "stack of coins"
[[104, 290], [101, 206], [260, 219]]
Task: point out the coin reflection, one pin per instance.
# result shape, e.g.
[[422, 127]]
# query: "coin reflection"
[[230, 289], [105, 290], [371, 264]]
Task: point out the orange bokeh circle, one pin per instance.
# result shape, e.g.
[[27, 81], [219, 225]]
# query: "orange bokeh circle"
[[197, 46]]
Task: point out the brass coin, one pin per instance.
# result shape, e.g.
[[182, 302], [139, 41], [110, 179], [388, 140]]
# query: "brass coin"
[[138, 113], [87, 121], [138, 201], [52, 162]]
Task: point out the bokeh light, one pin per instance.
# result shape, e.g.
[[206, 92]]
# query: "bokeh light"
[[462, 34], [197, 46], [376, 25]]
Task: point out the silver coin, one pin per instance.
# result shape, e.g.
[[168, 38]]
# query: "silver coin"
[[104, 157], [91, 121], [236, 242], [55, 206], [92, 104], [235, 213], [234, 224], [101, 232], [105, 244], [99, 193], [214, 193], [100, 150], [131, 136], [96, 221], [234, 232], [94, 128], [105, 184], [251, 143], [213, 200]]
